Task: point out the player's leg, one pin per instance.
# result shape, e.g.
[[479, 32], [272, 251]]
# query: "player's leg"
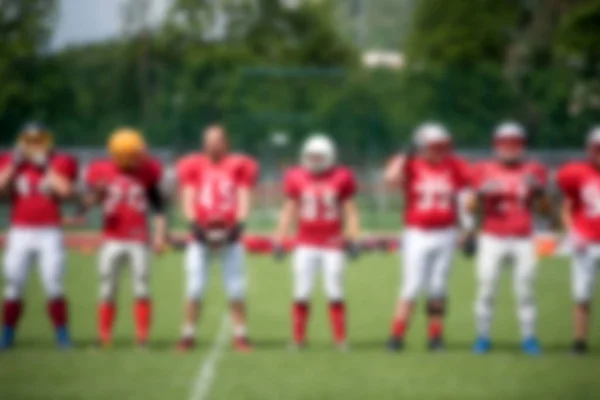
[[439, 276], [196, 268], [333, 262], [491, 253], [415, 253], [583, 277], [525, 262], [110, 259], [142, 308], [234, 277], [304, 265], [17, 259], [52, 267]]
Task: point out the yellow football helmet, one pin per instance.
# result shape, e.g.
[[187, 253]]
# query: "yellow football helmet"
[[127, 147]]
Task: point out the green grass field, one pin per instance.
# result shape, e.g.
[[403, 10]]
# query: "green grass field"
[[35, 370]]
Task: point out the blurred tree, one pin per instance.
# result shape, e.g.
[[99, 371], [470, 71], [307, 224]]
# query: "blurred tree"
[[25, 27]]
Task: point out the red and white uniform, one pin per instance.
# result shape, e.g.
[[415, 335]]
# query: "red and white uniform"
[[216, 186], [580, 184], [36, 226], [431, 193], [320, 199], [125, 209], [507, 193]]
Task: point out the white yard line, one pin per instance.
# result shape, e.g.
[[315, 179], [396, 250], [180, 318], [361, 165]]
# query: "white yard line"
[[206, 374]]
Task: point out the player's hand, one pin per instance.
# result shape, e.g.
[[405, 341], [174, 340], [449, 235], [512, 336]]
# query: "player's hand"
[[236, 232], [353, 250], [468, 244], [198, 232], [577, 243], [18, 157], [159, 245], [279, 252]]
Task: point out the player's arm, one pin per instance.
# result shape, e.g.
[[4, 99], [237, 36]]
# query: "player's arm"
[[244, 204], [394, 174], [158, 207], [565, 214], [287, 217], [352, 219], [59, 184], [186, 199], [7, 175]]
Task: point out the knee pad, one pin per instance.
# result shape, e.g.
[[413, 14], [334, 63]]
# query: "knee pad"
[[12, 291], [436, 307], [236, 289]]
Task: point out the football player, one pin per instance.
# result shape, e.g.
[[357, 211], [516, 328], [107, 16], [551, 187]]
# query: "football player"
[[432, 179], [216, 196], [37, 179], [507, 190], [320, 201], [126, 187], [579, 182]]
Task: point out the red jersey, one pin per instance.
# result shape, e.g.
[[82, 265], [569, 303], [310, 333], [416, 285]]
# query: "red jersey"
[[320, 199], [431, 192], [31, 204], [507, 193], [580, 184], [216, 185], [125, 197]]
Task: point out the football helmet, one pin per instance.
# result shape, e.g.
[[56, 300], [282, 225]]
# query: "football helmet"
[[510, 139], [318, 154], [593, 144], [35, 142], [126, 146], [433, 141]]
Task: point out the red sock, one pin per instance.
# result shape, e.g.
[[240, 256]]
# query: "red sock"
[[106, 318], [398, 328], [58, 311], [12, 312], [436, 329], [337, 317], [300, 313], [143, 318]]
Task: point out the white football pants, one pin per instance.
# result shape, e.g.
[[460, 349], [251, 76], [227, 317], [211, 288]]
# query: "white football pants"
[[23, 245], [427, 257], [493, 252], [584, 268], [116, 253], [306, 262], [197, 263]]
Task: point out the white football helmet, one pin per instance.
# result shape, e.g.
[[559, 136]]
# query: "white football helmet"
[[593, 137], [318, 154], [431, 133], [510, 130]]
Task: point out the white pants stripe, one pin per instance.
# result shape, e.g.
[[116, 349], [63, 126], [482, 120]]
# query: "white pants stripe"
[[113, 255], [493, 253], [197, 263], [427, 257], [584, 269], [23, 247], [306, 263]]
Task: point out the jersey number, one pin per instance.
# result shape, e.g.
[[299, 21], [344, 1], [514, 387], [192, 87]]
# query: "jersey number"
[[132, 196], [590, 195], [25, 187], [312, 203], [219, 194]]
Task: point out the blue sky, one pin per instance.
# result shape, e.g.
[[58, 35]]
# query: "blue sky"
[[81, 21]]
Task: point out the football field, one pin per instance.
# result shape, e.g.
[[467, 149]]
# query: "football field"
[[36, 370]]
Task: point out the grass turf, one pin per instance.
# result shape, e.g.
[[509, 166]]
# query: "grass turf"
[[36, 370]]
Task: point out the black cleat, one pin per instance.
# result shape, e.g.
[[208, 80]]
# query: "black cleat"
[[395, 344], [436, 344], [579, 348]]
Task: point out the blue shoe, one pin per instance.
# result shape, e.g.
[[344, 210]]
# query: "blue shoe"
[[531, 347], [63, 339], [482, 345], [8, 338]]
